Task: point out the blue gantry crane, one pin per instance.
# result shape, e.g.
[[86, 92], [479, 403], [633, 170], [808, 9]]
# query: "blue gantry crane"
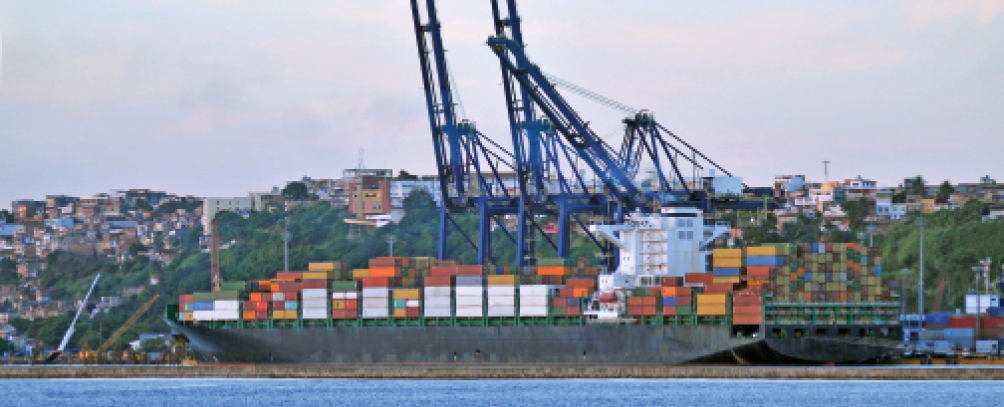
[[552, 149]]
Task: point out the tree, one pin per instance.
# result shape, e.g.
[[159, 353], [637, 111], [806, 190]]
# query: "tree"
[[136, 248], [916, 187], [296, 190], [857, 211], [153, 345], [6, 216], [405, 175], [945, 191], [142, 205]]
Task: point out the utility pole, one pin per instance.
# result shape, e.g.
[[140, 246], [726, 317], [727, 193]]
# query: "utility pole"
[[285, 239], [871, 234], [390, 241], [921, 221]]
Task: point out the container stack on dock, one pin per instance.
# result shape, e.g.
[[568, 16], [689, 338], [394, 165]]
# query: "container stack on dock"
[[376, 298], [501, 292], [344, 300], [532, 300], [437, 299], [470, 296]]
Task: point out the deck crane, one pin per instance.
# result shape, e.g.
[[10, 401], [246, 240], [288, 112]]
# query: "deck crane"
[[459, 147]]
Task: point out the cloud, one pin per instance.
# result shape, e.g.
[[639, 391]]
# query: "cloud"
[[926, 12]]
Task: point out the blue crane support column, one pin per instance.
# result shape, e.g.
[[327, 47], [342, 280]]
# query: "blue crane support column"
[[564, 234]]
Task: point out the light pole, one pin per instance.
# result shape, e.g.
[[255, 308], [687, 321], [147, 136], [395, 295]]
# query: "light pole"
[[861, 237], [391, 239], [921, 221], [871, 234], [285, 239]]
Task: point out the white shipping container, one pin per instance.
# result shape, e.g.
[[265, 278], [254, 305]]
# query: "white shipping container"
[[437, 313], [203, 315], [437, 302], [278, 296], [352, 295], [338, 295], [315, 303], [501, 301], [501, 311], [227, 305], [376, 292], [375, 313], [535, 290], [437, 291], [315, 313], [314, 293], [533, 301], [469, 301], [227, 315], [528, 311], [412, 304], [470, 291], [469, 313], [375, 303], [501, 290]]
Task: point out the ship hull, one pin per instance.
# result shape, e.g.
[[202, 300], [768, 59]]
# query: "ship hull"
[[834, 344], [589, 344]]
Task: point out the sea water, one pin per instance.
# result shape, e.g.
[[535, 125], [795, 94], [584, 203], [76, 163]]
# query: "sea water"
[[432, 393]]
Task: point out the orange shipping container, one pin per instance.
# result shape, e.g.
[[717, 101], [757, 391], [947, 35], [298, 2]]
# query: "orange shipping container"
[[553, 271], [758, 271], [747, 320], [581, 292], [720, 288], [385, 272], [249, 315], [712, 309], [648, 301], [699, 278], [748, 309], [669, 291]]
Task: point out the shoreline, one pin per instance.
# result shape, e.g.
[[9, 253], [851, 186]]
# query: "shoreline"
[[501, 372]]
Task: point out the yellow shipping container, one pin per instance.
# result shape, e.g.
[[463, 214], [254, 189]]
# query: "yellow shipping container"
[[727, 253], [501, 280], [761, 251], [711, 299], [712, 309], [321, 266], [358, 274], [186, 316], [338, 304], [400, 313], [323, 275], [407, 294], [727, 262], [728, 280]]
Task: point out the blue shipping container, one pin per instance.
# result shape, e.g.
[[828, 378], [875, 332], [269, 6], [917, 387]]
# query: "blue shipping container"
[[469, 281], [878, 270], [291, 305], [202, 306], [668, 301], [764, 260], [938, 317], [727, 272], [808, 276], [951, 333], [400, 303], [995, 311]]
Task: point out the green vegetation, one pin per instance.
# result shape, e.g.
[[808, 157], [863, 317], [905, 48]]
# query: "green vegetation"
[[254, 251], [953, 243], [296, 191]]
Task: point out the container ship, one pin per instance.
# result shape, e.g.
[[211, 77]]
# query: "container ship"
[[673, 299]]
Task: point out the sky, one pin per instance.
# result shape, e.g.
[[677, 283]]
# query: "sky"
[[222, 97]]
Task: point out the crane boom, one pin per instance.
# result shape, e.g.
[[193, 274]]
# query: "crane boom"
[[72, 325], [129, 323]]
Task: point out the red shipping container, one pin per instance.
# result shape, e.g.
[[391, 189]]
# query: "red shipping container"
[[261, 306], [186, 298], [443, 271], [386, 262], [290, 287], [683, 292], [746, 300], [962, 322], [351, 313], [655, 291], [470, 270], [635, 310], [759, 271], [566, 292], [649, 311], [292, 296], [351, 304], [718, 288], [672, 281], [573, 311], [438, 281], [292, 275], [648, 301], [261, 314], [992, 322], [684, 301], [247, 306], [747, 320], [699, 278], [413, 312], [376, 282], [337, 314], [668, 310], [314, 284], [581, 283]]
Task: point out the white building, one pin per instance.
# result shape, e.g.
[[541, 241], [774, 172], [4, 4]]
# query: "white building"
[[401, 188], [211, 206]]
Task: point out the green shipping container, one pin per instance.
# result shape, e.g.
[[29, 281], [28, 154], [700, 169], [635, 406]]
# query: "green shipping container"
[[343, 286], [233, 286], [203, 297], [684, 310], [227, 295]]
